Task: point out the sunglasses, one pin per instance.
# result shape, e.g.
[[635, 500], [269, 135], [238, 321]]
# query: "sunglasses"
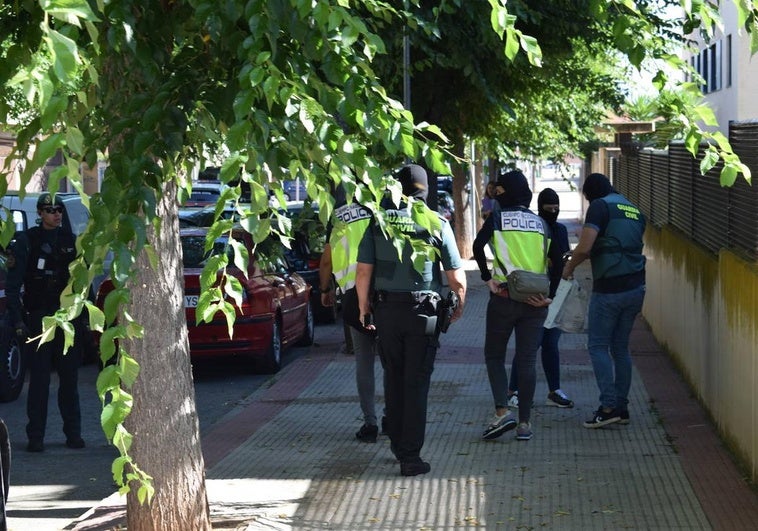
[[53, 210]]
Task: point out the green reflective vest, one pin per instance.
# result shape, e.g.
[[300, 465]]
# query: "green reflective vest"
[[619, 250]]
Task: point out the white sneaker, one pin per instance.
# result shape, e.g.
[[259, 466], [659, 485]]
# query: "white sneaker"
[[513, 400], [499, 425]]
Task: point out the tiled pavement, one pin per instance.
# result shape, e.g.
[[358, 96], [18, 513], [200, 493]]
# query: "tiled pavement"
[[288, 459]]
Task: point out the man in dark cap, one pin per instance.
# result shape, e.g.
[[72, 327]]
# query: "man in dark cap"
[[405, 308], [612, 239], [548, 208], [520, 241], [41, 258]]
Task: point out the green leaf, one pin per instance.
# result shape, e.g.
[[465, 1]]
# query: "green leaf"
[[233, 288], [128, 370], [107, 379], [69, 11], [705, 114], [511, 44], [122, 439], [65, 55], [46, 149], [56, 105], [532, 49], [728, 175], [75, 140], [113, 415], [709, 161], [692, 141]]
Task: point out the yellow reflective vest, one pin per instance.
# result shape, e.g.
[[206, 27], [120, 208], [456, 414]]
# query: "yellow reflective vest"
[[520, 241], [352, 220]]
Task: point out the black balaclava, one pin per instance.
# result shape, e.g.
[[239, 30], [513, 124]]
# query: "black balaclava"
[[548, 196], [517, 192], [414, 180], [596, 186]]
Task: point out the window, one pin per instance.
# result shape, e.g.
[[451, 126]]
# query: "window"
[[709, 64], [728, 60]]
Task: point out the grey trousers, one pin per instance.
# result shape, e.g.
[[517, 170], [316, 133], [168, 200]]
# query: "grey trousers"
[[364, 348]]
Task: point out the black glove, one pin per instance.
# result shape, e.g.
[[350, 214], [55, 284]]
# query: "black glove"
[[22, 331]]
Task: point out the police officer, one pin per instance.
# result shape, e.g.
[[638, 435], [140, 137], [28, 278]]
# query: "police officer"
[[612, 239], [339, 258], [406, 303], [520, 241], [42, 255]]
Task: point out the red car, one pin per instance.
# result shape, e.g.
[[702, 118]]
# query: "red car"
[[275, 311]]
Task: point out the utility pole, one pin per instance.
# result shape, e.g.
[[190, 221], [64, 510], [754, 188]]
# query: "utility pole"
[[406, 64]]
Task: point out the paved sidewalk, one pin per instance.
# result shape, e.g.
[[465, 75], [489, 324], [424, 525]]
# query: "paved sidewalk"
[[288, 458]]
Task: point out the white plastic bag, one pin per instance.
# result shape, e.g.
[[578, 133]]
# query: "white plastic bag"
[[568, 311]]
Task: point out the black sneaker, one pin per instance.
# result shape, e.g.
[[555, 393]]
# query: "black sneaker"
[[75, 443], [367, 433], [414, 468], [601, 418], [624, 414], [558, 398], [35, 445]]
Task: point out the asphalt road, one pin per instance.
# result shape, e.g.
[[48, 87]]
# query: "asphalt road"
[[50, 489]]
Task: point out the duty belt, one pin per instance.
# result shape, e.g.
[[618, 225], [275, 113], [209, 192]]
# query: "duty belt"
[[406, 296]]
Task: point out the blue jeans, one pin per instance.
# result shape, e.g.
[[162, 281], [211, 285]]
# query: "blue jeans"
[[610, 321]]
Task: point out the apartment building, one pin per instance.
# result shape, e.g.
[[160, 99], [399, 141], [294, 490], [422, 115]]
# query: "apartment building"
[[729, 71]]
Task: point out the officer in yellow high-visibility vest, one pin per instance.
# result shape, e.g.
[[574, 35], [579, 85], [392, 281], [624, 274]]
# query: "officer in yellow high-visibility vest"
[[519, 240], [339, 259]]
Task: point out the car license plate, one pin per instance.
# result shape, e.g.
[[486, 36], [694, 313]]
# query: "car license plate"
[[190, 301]]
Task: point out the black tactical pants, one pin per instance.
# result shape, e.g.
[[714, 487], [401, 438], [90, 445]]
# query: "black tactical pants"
[[40, 362], [407, 355]]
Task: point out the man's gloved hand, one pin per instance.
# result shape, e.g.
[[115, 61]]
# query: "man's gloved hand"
[[22, 331]]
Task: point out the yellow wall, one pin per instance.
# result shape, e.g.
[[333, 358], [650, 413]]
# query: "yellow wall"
[[704, 310]]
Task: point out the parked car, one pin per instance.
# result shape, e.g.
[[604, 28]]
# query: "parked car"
[[275, 312], [446, 206], [201, 216], [204, 193], [304, 256], [445, 183], [294, 190], [75, 216]]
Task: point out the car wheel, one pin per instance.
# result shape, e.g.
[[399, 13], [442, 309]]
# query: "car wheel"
[[273, 358], [12, 367], [307, 339]]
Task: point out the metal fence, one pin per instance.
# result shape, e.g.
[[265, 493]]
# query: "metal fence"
[[669, 189]]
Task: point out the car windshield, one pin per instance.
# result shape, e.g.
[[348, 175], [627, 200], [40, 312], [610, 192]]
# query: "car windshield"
[[193, 250]]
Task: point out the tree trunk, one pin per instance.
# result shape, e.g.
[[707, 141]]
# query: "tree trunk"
[[464, 231], [164, 420], [479, 186]]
